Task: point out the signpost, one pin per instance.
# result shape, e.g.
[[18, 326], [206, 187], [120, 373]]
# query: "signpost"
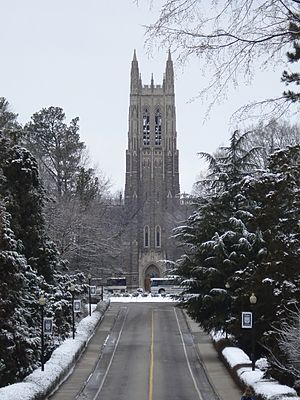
[[77, 306], [48, 326], [93, 290], [247, 320]]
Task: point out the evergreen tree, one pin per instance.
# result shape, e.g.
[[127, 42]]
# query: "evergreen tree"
[[294, 56], [276, 276], [24, 199], [87, 185], [29, 265], [19, 290], [215, 236], [8, 122], [57, 147], [76, 208], [244, 238]]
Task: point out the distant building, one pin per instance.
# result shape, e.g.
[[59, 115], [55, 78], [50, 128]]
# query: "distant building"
[[152, 193]]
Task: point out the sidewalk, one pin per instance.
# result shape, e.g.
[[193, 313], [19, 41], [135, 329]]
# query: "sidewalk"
[[86, 364], [217, 374]]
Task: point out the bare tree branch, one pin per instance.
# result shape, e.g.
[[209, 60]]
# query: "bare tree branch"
[[232, 38]]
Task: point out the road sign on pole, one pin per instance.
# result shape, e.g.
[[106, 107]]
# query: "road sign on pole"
[[93, 290], [247, 319], [77, 306], [48, 326]]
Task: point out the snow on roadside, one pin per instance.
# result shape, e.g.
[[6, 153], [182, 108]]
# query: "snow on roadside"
[[142, 299], [39, 384], [269, 389], [235, 356]]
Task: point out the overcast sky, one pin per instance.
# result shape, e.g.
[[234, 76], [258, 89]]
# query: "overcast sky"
[[77, 55]]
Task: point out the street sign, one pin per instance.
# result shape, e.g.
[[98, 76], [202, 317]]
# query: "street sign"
[[247, 319], [77, 306], [48, 326], [93, 290]]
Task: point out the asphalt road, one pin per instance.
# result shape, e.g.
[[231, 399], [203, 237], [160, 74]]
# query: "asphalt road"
[[149, 355]]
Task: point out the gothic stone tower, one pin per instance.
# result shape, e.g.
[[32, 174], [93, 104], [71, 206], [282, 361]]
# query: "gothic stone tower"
[[152, 176]]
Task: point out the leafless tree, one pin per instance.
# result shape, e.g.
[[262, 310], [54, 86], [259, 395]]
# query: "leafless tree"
[[289, 344], [86, 232], [231, 37], [272, 136]]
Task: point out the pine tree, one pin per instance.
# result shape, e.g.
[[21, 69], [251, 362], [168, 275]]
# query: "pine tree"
[[19, 289], [57, 147], [74, 191], [8, 122], [29, 264], [277, 215], [24, 196], [294, 56], [215, 235]]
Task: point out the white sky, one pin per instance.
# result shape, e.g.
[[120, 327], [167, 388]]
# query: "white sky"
[[77, 55]]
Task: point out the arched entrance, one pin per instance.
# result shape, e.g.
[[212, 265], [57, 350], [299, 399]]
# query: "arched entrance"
[[151, 272]]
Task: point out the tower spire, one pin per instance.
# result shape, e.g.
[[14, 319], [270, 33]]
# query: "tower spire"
[[169, 75], [152, 81], [135, 75]]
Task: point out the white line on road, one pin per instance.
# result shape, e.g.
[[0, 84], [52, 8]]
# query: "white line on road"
[[111, 360], [151, 358], [186, 357]]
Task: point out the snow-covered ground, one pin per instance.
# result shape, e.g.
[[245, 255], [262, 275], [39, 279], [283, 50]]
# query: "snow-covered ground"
[[40, 384], [142, 298], [268, 389]]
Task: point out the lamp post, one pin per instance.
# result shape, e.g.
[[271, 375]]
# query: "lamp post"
[[42, 302], [90, 299], [101, 292], [227, 286], [72, 290], [253, 300]]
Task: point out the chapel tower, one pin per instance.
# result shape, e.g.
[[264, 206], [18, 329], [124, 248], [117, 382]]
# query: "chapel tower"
[[152, 176]]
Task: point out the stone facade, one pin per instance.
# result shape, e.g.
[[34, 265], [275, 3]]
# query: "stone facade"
[[152, 203]]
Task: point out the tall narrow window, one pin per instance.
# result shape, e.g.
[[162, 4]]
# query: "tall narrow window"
[[146, 236], [146, 127], [158, 127], [157, 236]]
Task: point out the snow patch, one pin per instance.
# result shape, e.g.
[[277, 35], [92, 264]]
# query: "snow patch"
[[269, 389]]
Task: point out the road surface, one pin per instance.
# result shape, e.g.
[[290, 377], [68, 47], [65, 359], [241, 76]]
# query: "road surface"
[[149, 355]]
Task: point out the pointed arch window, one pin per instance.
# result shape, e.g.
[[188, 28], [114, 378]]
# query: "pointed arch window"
[[158, 127], [146, 236], [157, 236], [146, 127]]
